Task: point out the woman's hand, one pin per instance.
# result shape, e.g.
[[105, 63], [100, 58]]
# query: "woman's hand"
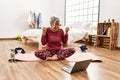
[[44, 31], [66, 30]]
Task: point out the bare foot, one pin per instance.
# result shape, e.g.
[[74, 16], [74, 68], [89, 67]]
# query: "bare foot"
[[53, 58]]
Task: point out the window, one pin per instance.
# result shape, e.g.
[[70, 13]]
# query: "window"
[[82, 11]]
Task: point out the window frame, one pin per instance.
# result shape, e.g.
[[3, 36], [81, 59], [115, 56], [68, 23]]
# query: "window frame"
[[84, 15]]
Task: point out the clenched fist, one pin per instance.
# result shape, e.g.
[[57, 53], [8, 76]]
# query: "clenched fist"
[[66, 30], [44, 31]]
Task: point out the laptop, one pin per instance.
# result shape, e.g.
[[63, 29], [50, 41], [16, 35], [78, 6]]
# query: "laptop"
[[78, 66]]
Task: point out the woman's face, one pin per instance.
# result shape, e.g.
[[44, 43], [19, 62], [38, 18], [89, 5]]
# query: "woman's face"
[[56, 26]]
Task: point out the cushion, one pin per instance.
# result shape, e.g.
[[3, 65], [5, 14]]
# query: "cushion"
[[81, 25]]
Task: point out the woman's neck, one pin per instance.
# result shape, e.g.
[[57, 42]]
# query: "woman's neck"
[[54, 29]]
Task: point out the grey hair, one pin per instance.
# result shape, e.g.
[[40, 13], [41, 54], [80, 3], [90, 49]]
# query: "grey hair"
[[54, 19]]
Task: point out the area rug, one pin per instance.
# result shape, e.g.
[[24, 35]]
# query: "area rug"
[[28, 57]]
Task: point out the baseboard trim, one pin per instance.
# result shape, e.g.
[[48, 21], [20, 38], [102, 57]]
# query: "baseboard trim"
[[8, 38], [118, 48]]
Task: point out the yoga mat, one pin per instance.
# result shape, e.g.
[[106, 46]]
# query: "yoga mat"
[[74, 58]]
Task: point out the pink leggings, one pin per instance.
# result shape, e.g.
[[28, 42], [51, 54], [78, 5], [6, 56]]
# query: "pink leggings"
[[61, 54]]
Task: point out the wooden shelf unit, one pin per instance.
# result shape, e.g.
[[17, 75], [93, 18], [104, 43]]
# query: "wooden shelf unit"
[[92, 40], [107, 40]]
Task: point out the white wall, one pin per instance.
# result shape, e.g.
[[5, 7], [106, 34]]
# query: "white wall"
[[14, 14], [109, 9]]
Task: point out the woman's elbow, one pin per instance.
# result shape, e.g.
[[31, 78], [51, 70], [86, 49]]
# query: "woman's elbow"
[[43, 43], [65, 42]]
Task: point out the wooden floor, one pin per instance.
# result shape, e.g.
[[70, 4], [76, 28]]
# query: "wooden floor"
[[109, 69]]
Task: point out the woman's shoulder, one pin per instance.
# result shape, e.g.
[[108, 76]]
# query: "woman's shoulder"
[[48, 28], [61, 29]]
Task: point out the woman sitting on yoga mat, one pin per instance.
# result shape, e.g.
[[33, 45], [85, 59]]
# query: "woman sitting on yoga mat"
[[54, 37]]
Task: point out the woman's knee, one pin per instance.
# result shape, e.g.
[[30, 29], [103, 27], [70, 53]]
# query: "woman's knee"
[[72, 50], [40, 54], [65, 53], [69, 50]]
